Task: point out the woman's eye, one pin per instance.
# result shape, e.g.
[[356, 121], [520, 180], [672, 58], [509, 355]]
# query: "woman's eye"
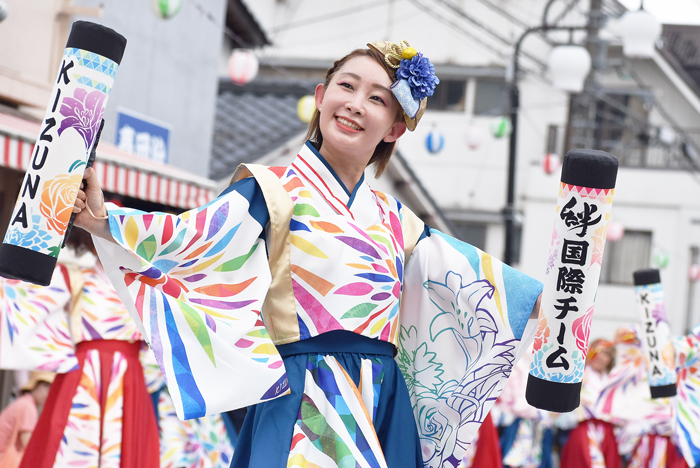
[[346, 85], [377, 98]]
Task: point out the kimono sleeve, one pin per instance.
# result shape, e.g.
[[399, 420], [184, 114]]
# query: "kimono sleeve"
[[687, 401], [464, 323], [34, 330], [195, 284]]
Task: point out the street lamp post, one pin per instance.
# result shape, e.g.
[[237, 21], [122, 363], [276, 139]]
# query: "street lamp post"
[[639, 36], [513, 106]]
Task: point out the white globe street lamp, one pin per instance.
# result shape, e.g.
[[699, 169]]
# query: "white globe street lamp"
[[640, 31], [569, 66]]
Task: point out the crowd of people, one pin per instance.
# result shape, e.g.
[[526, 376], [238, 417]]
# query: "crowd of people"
[[617, 424]]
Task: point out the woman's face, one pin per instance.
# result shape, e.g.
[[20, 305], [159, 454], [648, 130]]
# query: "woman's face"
[[602, 360], [358, 110]]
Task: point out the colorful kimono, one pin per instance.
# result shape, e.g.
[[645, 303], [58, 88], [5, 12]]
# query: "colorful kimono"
[[195, 443], [109, 349], [292, 293], [99, 414], [524, 426], [592, 444], [34, 333], [687, 401], [644, 424]]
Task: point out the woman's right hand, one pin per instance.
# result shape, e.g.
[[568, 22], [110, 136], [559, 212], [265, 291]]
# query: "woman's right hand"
[[92, 196]]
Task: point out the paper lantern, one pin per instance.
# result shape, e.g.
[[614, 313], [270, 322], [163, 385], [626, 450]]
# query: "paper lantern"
[[435, 141], [166, 9], [694, 272], [306, 107], [4, 10], [242, 66], [640, 31], [474, 136], [551, 163], [569, 66], [660, 259], [501, 127], [615, 231]]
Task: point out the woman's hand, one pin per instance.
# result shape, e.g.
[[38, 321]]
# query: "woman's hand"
[[92, 195]]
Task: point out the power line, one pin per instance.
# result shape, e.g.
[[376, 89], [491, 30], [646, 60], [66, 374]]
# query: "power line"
[[329, 16], [458, 28], [480, 25]]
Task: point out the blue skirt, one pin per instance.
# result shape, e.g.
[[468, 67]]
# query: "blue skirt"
[[266, 436]]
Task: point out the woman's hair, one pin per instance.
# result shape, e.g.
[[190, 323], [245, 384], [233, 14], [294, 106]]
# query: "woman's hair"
[[383, 151], [601, 345]]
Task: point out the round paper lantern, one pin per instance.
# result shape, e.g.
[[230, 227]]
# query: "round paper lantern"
[[306, 107], [569, 66], [615, 231], [640, 31], [4, 10], [694, 272], [661, 259], [242, 66], [551, 163], [474, 136], [435, 141], [166, 9], [501, 127]]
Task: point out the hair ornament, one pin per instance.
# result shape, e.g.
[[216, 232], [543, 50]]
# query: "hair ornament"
[[597, 347], [415, 78]]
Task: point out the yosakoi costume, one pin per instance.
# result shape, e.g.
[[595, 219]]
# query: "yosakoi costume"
[[204, 442], [98, 412], [592, 444], [686, 406], [527, 434], [292, 293], [484, 449], [644, 424], [99, 409]]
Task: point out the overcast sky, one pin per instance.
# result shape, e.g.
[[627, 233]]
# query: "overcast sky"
[[670, 11]]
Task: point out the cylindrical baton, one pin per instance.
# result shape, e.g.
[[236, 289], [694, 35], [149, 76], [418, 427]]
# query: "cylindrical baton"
[[571, 280], [68, 132], [655, 333]]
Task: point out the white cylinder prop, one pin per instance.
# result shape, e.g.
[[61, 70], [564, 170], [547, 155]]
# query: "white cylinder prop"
[[571, 280], [68, 131], [655, 333]]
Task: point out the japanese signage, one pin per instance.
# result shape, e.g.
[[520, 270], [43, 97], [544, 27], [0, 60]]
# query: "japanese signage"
[[655, 333], [143, 136]]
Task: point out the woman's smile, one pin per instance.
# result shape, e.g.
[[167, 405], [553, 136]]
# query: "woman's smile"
[[348, 125]]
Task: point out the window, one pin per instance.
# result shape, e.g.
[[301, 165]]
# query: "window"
[[449, 96], [491, 98], [624, 257]]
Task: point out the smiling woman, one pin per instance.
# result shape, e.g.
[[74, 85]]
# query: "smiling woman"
[[293, 291]]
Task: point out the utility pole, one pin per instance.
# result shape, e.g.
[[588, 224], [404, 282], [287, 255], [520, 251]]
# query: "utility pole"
[[583, 125]]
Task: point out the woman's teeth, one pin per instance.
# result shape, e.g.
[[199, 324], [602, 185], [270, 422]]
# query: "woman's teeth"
[[348, 124]]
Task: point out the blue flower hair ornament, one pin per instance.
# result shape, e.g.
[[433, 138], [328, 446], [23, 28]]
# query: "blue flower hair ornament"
[[415, 78]]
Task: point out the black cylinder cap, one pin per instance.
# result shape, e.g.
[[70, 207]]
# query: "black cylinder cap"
[[589, 168], [647, 276], [96, 38]]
